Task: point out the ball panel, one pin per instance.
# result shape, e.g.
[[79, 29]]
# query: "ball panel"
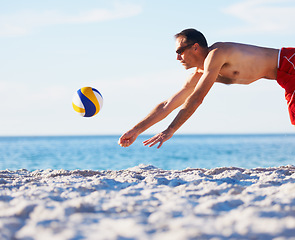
[[99, 98], [77, 101], [78, 109], [96, 91], [77, 105], [88, 92], [90, 109]]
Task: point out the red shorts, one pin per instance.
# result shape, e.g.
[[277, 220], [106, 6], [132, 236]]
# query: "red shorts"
[[286, 78]]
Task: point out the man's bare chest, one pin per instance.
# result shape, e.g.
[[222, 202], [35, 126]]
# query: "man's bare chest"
[[236, 77]]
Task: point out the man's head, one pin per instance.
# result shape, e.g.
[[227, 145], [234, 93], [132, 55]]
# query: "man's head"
[[191, 36], [189, 45]]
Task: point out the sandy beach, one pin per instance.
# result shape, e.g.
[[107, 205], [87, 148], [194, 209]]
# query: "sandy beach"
[[145, 202]]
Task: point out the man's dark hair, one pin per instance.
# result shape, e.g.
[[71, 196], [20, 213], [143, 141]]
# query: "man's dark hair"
[[193, 36]]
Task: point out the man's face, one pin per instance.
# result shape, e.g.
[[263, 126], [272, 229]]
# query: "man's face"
[[184, 53]]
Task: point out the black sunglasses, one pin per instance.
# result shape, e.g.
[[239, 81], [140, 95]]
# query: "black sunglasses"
[[182, 49]]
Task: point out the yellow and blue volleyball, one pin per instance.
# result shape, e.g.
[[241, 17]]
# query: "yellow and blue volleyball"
[[87, 101]]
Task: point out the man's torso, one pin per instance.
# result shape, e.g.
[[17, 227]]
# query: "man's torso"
[[244, 64]]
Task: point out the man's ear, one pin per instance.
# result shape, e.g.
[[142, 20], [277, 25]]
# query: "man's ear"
[[196, 46]]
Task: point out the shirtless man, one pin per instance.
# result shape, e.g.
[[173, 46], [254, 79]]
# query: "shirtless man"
[[229, 63]]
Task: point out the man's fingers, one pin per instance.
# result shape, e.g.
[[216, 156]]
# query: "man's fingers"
[[159, 138], [161, 143], [153, 141], [127, 139], [147, 142], [124, 142]]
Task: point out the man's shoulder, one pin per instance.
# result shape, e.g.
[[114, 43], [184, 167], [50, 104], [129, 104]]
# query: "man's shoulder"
[[233, 48], [221, 53], [220, 50], [236, 47], [224, 46]]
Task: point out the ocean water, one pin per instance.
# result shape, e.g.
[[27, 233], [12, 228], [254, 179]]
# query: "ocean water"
[[180, 152]]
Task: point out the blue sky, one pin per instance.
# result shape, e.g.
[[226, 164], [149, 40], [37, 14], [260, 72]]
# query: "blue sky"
[[126, 50]]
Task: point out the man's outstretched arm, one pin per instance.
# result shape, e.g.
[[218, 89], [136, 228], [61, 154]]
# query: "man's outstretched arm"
[[161, 111], [212, 66]]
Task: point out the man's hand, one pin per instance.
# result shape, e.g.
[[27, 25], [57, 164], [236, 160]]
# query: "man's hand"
[[159, 138], [128, 138]]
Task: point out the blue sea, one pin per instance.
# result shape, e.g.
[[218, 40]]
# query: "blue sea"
[[180, 152]]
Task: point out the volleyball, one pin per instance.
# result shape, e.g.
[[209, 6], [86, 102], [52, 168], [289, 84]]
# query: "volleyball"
[[87, 101]]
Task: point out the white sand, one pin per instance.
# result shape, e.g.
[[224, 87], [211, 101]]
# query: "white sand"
[[145, 202]]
